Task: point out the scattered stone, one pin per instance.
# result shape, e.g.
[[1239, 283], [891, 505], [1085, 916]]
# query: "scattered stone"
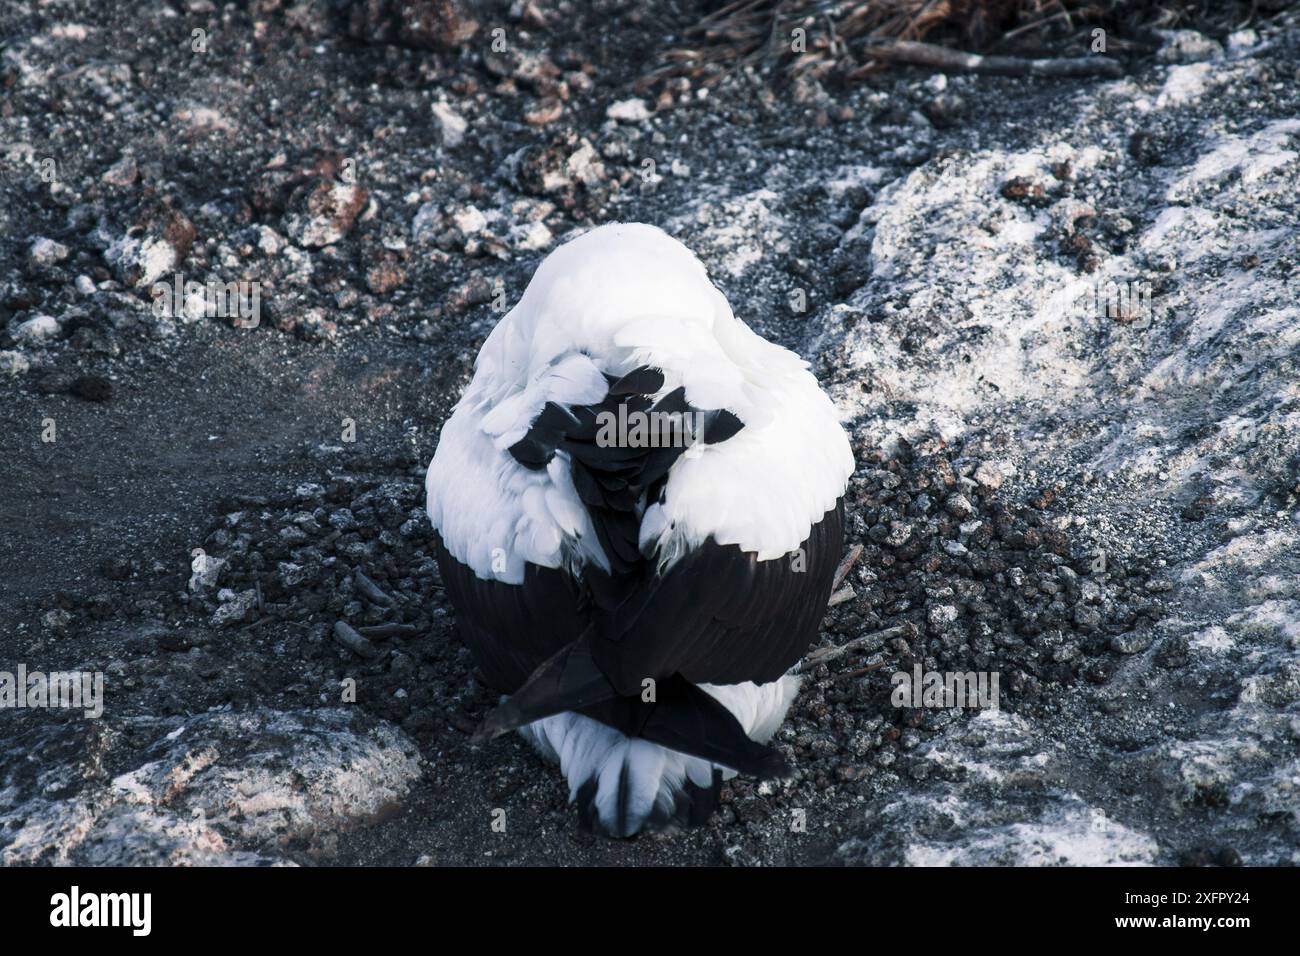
[[37, 330], [122, 173], [347, 636], [941, 616], [56, 620], [958, 506], [990, 475], [235, 608], [531, 237], [1130, 642], [1187, 46], [217, 788], [945, 110], [475, 290], [427, 223], [452, 124], [1087, 618], [309, 491], [557, 170], [371, 591], [45, 254], [315, 327], [1241, 42], [269, 242], [13, 363], [545, 113], [156, 246], [1026, 191], [205, 572], [629, 111], [385, 276], [469, 220], [324, 212], [293, 576]]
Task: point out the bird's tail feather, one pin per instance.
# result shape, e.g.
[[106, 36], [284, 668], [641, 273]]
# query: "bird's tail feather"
[[568, 680], [684, 718], [674, 713]]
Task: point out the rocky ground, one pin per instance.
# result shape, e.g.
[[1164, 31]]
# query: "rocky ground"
[[1104, 509]]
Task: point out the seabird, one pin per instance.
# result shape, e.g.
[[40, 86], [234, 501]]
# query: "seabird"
[[638, 509]]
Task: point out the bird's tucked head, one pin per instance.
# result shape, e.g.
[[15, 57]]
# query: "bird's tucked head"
[[627, 293]]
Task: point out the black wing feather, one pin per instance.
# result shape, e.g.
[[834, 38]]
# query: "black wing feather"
[[718, 615]]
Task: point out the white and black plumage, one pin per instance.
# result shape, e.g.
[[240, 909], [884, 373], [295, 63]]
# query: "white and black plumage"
[[582, 569]]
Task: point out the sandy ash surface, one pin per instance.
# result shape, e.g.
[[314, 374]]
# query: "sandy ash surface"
[[1103, 510]]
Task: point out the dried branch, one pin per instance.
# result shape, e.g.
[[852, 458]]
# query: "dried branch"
[[955, 61], [846, 566], [845, 593], [822, 655], [758, 33]]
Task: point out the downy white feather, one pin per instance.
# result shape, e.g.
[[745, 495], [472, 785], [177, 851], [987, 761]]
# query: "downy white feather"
[[586, 749], [614, 299]]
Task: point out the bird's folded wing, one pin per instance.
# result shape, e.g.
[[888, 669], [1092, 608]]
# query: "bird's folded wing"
[[718, 615]]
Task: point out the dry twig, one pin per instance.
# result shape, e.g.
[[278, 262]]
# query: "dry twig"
[[846, 566], [955, 61], [822, 655], [760, 33]]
